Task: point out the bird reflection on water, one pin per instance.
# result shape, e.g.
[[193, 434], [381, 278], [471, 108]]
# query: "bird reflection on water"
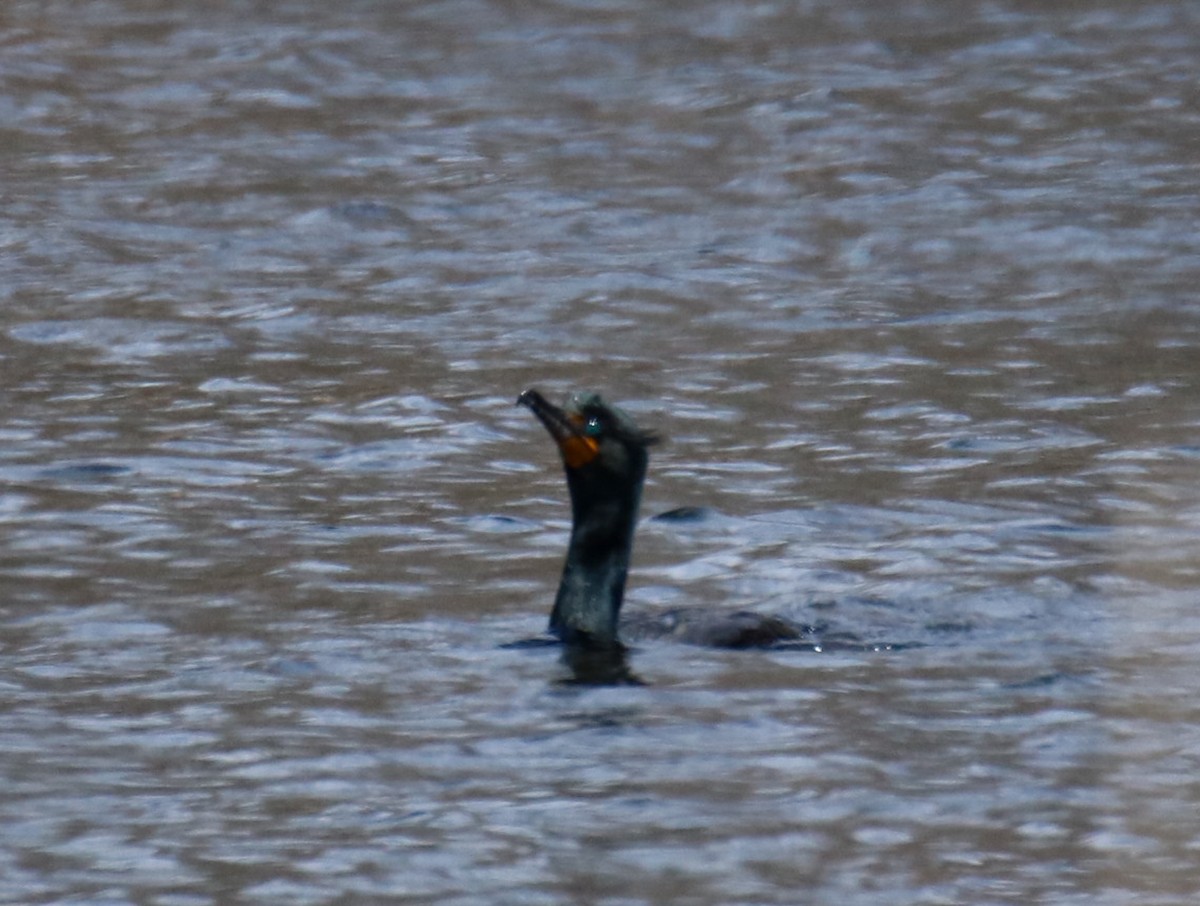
[[587, 664], [598, 667]]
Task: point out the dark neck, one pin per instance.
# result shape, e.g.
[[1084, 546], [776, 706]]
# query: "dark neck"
[[593, 580]]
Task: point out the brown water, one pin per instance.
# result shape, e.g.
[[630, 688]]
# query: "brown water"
[[911, 287]]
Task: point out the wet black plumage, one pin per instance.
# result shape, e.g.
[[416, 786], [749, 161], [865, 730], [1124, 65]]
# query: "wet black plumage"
[[605, 455]]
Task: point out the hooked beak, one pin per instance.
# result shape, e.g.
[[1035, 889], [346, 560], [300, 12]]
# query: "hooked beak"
[[567, 430]]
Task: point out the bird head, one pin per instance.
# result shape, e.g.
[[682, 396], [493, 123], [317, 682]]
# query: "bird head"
[[595, 438]]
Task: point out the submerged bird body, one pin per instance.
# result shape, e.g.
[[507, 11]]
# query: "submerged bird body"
[[605, 455]]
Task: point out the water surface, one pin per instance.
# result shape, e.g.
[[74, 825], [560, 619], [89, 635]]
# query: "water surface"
[[910, 288]]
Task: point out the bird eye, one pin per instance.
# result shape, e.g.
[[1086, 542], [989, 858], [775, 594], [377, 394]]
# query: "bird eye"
[[593, 427]]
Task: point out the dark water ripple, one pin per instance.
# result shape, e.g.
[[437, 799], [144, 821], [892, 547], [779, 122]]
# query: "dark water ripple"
[[910, 290]]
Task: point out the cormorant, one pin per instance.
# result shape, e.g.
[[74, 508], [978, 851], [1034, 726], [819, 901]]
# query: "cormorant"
[[605, 455]]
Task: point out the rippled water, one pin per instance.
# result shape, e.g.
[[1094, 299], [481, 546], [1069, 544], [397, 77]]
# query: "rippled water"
[[909, 287]]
